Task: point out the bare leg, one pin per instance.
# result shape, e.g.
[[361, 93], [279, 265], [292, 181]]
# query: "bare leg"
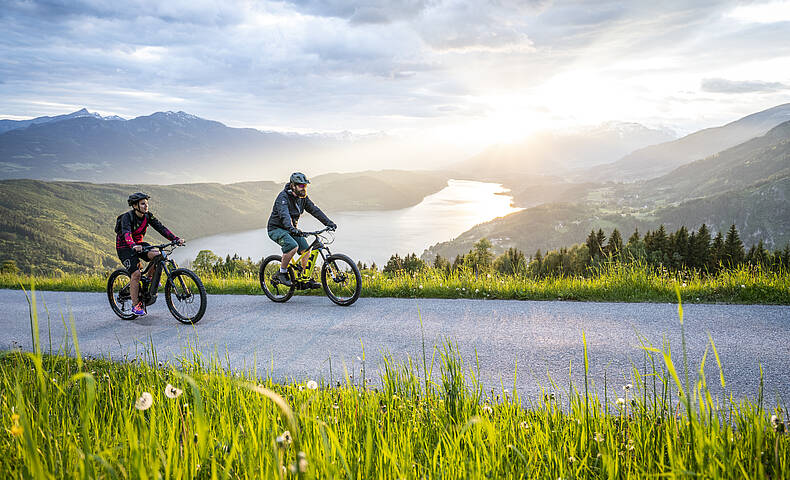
[[287, 256], [134, 287]]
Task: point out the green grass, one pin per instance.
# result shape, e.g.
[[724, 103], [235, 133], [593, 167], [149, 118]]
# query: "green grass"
[[614, 283], [68, 417]]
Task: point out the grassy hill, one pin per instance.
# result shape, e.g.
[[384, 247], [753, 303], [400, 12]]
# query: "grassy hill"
[[69, 225]]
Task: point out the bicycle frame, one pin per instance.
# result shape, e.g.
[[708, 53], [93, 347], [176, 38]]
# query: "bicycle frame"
[[313, 251], [159, 264]]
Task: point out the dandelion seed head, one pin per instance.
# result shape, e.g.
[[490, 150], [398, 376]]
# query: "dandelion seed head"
[[620, 401], [312, 385], [284, 438], [172, 392], [144, 402]]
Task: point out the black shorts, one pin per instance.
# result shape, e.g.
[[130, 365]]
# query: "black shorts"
[[131, 259]]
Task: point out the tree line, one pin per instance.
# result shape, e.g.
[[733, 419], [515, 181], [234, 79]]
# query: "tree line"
[[679, 250]]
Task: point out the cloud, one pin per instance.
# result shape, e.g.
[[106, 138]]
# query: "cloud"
[[365, 12], [722, 85]]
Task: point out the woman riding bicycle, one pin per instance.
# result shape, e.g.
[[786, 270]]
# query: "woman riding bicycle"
[[288, 207], [130, 229]]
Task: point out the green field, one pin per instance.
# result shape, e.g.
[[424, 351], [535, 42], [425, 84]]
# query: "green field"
[[68, 417], [612, 283]]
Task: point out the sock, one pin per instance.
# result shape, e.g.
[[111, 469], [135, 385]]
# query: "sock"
[[283, 270]]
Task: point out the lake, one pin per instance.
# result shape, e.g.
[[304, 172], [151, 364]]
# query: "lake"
[[373, 236]]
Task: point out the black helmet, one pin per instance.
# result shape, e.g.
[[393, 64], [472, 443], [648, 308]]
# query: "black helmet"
[[136, 197], [299, 177]]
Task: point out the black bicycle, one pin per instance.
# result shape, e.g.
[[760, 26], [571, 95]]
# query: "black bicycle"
[[185, 294], [340, 277]]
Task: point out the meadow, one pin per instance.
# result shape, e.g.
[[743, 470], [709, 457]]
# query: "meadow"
[[609, 283], [65, 416]]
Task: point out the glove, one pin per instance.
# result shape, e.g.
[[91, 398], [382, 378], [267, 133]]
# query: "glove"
[[295, 232], [332, 226]]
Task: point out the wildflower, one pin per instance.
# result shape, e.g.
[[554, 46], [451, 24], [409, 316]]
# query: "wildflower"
[[172, 392], [743, 286], [312, 385], [777, 424], [598, 437], [487, 408], [301, 465], [144, 402], [420, 287], [628, 387], [284, 438], [571, 459], [620, 402], [524, 425], [630, 445], [17, 430], [477, 290]]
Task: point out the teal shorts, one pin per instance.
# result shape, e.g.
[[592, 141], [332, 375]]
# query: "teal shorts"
[[286, 241]]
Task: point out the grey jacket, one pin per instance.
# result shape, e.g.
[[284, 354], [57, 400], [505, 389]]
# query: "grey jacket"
[[288, 208]]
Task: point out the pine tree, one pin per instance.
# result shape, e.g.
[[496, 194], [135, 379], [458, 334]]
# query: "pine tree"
[[592, 245], [634, 238], [615, 245], [733, 248], [700, 250], [716, 253]]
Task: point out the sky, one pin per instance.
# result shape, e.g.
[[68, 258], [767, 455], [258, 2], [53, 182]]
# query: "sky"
[[466, 73]]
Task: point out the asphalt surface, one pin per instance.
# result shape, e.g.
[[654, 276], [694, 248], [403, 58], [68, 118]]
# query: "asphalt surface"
[[515, 344]]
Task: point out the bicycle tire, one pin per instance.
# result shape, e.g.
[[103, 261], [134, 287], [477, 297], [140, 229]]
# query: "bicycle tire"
[[114, 295], [276, 292], [343, 268], [175, 284]]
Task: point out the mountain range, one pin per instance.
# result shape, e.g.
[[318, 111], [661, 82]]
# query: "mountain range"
[[165, 147], [747, 185]]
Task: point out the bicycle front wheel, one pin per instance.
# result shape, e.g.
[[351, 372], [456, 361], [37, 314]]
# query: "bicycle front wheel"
[[119, 295], [185, 296], [341, 279], [276, 291]]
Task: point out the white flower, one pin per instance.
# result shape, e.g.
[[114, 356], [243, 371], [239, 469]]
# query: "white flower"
[[598, 437], [627, 387], [172, 392], [144, 402], [487, 408], [312, 385], [420, 287], [284, 438], [743, 286], [620, 402]]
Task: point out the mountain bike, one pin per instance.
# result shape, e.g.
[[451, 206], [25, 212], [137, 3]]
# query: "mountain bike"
[[340, 277], [185, 294]]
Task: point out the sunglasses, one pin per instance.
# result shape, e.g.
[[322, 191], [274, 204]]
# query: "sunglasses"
[[301, 185]]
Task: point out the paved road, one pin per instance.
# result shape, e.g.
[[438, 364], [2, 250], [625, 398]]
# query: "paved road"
[[297, 339]]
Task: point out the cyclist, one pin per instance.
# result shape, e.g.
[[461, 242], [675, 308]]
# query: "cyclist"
[[288, 207], [130, 229]]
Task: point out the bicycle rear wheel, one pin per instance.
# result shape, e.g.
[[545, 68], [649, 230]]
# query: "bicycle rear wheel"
[[185, 296], [276, 291], [341, 279], [118, 294]]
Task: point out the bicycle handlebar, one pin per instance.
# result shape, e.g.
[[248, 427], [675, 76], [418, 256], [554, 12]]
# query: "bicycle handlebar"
[[317, 232], [148, 248]]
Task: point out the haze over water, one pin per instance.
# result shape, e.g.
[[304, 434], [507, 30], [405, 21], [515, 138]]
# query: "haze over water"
[[373, 236]]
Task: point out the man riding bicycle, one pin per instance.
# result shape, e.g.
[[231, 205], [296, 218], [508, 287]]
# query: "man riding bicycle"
[[130, 229], [288, 207]]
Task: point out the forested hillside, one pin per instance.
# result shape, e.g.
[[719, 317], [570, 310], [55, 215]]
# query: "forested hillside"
[[69, 225]]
